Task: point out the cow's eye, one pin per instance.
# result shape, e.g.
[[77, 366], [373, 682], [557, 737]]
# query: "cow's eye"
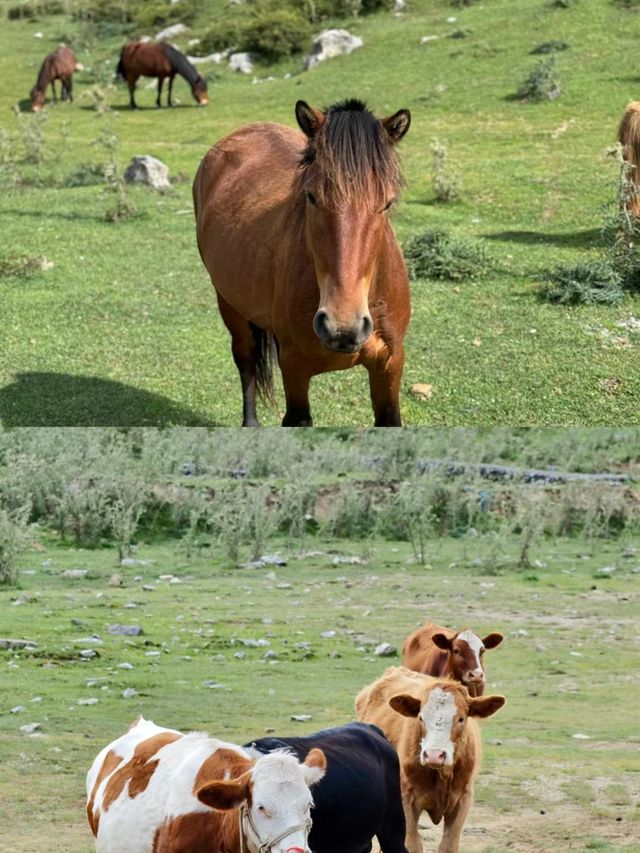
[[461, 719], [311, 198]]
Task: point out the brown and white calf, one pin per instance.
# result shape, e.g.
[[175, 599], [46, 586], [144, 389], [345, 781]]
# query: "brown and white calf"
[[431, 724], [438, 651], [157, 790]]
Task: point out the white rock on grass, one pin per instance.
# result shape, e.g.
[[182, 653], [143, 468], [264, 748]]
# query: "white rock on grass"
[[331, 43], [172, 31], [145, 169], [385, 650], [129, 693], [216, 57], [241, 62]]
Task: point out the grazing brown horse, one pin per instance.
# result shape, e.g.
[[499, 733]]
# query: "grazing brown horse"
[[629, 138], [294, 232], [158, 59], [58, 65]]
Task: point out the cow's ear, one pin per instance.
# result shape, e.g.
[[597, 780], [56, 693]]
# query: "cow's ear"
[[485, 706], [397, 125], [405, 704], [442, 642], [309, 119], [492, 640], [227, 794], [315, 765]]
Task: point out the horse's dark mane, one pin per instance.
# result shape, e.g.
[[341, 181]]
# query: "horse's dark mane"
[[180, 63], [355, 154], [43, 78]]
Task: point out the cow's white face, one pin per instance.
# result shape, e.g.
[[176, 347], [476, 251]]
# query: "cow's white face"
[[472, 669], [440, 719], [281, 800], [275, 796]]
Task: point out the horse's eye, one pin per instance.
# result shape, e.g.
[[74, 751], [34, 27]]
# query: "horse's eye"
[[388, 205], [311, 198]]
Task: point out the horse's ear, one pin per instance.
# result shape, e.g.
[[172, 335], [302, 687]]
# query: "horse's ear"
[[397, 125], [310, 120]]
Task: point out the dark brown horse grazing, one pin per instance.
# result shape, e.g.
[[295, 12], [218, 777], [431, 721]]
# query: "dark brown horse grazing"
[[58, 65], [158, 59], [293, 230], [629, 138]]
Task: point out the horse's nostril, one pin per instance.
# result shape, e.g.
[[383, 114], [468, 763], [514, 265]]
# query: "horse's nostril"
[[321, 324], [367, 326]]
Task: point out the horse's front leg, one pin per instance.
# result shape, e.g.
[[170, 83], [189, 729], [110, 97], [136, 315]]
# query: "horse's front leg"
[[384, 383], [70, 89], [295, 378], [53, 90], [160, 82], [132, 88], [171, 79]]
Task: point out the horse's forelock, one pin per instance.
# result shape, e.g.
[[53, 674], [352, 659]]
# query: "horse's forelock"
[[354, 155]]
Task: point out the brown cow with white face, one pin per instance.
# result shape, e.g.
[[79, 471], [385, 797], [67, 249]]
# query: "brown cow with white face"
[[438, 651], [432, 724]]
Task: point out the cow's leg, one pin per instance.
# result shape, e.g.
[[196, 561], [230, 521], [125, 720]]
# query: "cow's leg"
[[412, 811], [160, 82], [295, 378], [384, 384], [392, 832], [454, 822], [243, 347], [171, 79]]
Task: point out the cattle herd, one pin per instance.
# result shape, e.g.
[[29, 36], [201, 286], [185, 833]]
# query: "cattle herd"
[[416, 747]]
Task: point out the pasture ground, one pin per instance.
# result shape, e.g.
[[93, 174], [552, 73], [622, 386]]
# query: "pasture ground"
[[123, 330], [561, 759]]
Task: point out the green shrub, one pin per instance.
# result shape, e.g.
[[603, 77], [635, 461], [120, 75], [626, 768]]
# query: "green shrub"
[[542, 83], [546, 47], [583, 282], [21, 266], [274, 33], [438, 254], [14, 538], [35, 9], [226, 34]]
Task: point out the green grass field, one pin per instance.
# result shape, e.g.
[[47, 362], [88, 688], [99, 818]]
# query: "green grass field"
[[124, 329], [560, 767]]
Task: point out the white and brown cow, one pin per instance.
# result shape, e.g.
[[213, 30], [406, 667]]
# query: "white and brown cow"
[[157, 790], [438, 651], [431, 723]]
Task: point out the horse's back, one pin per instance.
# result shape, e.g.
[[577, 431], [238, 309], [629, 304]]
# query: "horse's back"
[[146, 58], [243, 195]]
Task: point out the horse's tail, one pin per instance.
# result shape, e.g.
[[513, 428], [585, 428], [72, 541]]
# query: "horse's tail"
[[120, 66], [266, 350], [629, 137]]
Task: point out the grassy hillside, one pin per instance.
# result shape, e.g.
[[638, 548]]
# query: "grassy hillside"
[[124, 330]]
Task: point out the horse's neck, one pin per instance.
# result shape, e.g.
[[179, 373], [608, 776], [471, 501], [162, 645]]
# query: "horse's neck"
[[44, 77]]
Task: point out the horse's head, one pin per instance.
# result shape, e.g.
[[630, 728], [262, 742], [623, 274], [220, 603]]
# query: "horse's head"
[[350, 178], [199, 91], [37, 99]]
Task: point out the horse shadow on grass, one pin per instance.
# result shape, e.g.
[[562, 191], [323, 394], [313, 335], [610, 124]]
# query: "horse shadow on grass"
[[59, 399], [588, 239]]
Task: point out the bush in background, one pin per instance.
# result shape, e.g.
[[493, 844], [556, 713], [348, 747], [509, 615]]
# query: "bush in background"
[[542, 83], [14, 538], [439, 254]]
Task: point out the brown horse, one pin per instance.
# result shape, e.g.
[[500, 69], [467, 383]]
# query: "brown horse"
[[294, 232], [629, 138], [161, 60], [58, 65]]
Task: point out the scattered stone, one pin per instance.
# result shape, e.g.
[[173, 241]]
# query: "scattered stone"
[[148, 587], [284, 586], [90, 701], [421, 391], [125, 630], [349, 560], [212, 684], [328, 634], [79, 623], [255, 644], [30, 728], [211, 57], [172, 31], [152, 654], [301, 718], [580, 736], [129, 693], [36, 699], [89, 653], [270, 655], [13, 645], [604, 572], [18, 709], [385, 650], [241, 62], [240, 655], [129, 561], [426, 39], [75, 573], [331, 43], [115, 580], [125, 665], [144, 169]]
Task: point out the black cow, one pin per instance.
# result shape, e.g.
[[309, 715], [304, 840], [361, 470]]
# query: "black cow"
[[359, 796]]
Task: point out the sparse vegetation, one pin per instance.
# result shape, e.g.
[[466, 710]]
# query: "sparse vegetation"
[[441, 255], [542, 82], [447, 185]]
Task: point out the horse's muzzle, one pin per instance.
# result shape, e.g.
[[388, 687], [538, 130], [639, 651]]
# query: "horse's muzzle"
[[336, 338]]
